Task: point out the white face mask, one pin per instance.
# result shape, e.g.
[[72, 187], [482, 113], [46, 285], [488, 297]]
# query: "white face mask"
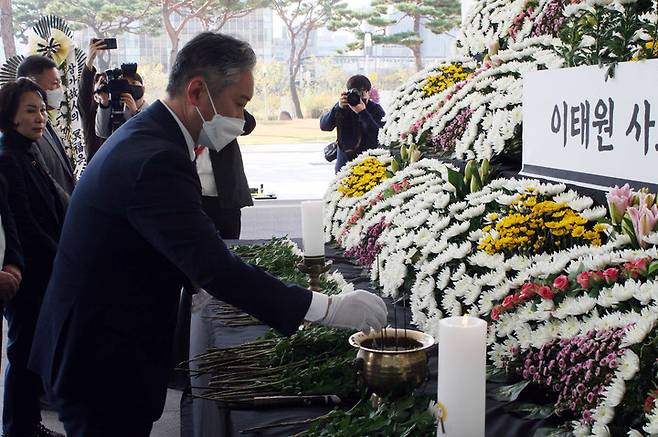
[[220, 131], [55, 97]]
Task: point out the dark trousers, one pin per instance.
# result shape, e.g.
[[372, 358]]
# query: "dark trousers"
[[22, 409], [227, 220], [341, 159], [89, 419]]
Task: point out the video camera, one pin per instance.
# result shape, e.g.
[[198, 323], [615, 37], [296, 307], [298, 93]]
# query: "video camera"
[[115, 85]]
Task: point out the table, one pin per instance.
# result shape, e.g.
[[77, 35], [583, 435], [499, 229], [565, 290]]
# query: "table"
[[203, 418]]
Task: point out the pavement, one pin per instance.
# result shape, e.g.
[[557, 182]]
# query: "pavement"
[[293, 172]]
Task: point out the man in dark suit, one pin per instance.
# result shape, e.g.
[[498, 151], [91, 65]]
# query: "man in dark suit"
[[135, 233], [224, 187], [45, 73]]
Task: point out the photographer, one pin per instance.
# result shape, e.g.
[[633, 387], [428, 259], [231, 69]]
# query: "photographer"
[[132, 101], [87, 103], [356, 118]]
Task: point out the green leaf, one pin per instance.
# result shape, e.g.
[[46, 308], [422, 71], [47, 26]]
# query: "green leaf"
[[653, 267], [456, 180], [531, 411], [509, 393]]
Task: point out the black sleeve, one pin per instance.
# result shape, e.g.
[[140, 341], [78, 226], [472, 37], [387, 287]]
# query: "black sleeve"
[[371, 120], [86, 95], [172, 221], [33, 238], [328, 120], [13, 249]]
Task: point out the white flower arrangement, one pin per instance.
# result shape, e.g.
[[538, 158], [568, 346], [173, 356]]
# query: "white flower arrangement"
[[493, 94]]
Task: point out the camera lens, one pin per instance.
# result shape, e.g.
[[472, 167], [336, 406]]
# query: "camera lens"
[[353, 97]]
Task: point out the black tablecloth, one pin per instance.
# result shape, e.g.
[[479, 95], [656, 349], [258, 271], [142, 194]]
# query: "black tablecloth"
[[203, 418]]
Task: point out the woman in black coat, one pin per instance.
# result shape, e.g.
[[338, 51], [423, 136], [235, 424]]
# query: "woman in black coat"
[[38, 213], [11, 253]]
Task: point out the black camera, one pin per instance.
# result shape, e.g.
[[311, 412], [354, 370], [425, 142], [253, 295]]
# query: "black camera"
[[115, 85], [353, 97]]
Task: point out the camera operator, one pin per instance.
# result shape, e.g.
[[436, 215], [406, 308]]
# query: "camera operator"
[[356, 118], [133, 101]]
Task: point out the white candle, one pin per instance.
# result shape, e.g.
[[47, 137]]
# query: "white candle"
[[313, 228], [462, 376]]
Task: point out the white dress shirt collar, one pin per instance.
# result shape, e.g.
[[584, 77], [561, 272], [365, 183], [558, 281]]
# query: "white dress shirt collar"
[[186, 134]]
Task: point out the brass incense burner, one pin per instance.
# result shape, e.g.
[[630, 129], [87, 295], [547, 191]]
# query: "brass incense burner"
[[392, 362]]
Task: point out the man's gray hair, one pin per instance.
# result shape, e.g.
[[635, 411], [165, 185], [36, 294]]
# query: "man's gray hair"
[[219, 58]]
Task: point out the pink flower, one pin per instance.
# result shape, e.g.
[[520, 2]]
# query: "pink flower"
[[644, 221], [528, 290], [374, 95], [610, 275], [618, 200], [636, 268], [508, 302], [583, 279], [495, 312], [545, 292], [561, 282]]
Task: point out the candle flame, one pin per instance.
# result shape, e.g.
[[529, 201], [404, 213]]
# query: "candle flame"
[[465, 320]]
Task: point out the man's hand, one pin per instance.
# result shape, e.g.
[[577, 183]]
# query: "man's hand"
[[356, 309], [128, 100], [342, 102], [8, 286], [94, 47]]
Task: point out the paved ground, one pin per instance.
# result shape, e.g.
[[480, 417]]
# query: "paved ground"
[[294, 173]]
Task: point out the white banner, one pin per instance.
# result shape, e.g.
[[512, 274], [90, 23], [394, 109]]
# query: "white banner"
[[581, 129]]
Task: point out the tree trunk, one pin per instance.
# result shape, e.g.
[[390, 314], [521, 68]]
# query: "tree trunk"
[[295, 97], [416, 48], [171, 32], [293, 69], [174, 50], [417, 57], [7, 29]]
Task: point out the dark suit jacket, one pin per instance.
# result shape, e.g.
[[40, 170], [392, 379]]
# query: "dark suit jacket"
[[56, 160], [13, 249], [88, 107], [232, 186], [37, 211], [134, 234]]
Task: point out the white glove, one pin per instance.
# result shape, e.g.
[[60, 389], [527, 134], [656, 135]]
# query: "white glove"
[[200, 300], [357, 309]]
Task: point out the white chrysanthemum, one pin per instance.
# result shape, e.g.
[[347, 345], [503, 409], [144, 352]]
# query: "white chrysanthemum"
[[600, 430], [636, 334], [634, 433], [603, 414], [614, 393], [581, 203], [629, 365]]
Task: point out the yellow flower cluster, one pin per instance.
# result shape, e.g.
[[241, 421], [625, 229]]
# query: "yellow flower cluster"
[[363, 177], [533, 225], [649, 51], [447, 76]]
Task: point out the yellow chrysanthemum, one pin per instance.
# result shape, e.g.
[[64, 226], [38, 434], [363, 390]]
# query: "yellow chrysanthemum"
[[363, 177]]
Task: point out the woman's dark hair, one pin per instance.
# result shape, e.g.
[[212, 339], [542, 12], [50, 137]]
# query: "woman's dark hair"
[[360, 82], [10, 97]]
